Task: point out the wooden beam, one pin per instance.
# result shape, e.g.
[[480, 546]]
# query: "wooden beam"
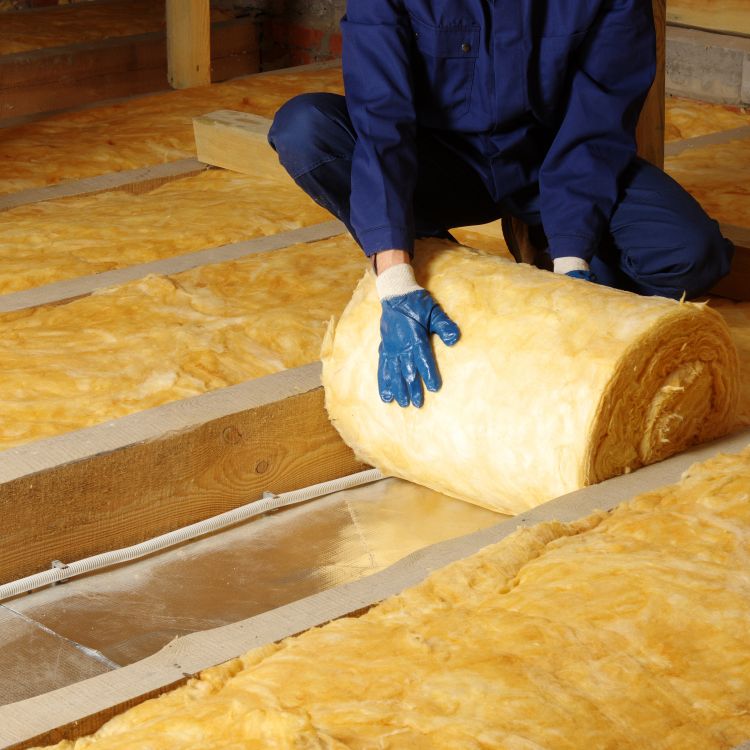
[[58, 78], [726, 16], [127, 480], [136, 181], [188, 43], [650, 132], [81, 286], [236, 141], [736, 285], [13, 122]]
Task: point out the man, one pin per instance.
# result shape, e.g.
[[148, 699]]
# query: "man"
[[458, 112]]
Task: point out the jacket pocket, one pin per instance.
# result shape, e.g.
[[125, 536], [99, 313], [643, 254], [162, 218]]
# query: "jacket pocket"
[[445, 60]]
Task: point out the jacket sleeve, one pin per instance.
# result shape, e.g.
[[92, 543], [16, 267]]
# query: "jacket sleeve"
[[378, 86], [595, 143]]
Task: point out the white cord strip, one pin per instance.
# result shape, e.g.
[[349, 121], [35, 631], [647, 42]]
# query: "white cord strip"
[[61, 572]]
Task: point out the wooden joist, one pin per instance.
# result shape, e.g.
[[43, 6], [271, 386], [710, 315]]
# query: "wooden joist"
[[736, 285], [651, 126], [127, 480], [136, 181], [188, 43], [725, 16], [59, 78], [237, 141]]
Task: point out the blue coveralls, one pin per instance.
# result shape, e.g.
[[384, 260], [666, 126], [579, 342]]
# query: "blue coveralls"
[[457, 111]]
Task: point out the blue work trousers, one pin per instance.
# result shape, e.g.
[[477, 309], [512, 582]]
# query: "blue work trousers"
[[660, 240]]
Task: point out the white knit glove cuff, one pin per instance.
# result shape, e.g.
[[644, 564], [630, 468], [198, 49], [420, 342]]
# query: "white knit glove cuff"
[[396, 281], [569, 263]]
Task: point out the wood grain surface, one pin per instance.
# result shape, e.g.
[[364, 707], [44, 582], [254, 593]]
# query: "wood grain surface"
[[729, 16], [125, 481], [136, 181], [237, 141], [736, 285], [651, 126], [59, 78], [188, 43]]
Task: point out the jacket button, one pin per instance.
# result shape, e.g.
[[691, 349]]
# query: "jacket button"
[[466, 47]]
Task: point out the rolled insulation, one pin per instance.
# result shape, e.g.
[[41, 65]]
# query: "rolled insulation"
[[555, 384]]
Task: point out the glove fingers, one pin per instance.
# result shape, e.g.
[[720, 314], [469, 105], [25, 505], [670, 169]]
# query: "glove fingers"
[[400, 390], [390, 380], [412, 379], [443, 326], [384, 377], [427, 367]]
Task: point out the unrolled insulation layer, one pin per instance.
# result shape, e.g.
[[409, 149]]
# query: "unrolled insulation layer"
[[148, 130], [621, 630], [161, 339], [54, 240]]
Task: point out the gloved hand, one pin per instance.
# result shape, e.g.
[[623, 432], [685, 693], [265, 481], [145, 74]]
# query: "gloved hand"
[[576, 268], [585, 275], [405, 353]]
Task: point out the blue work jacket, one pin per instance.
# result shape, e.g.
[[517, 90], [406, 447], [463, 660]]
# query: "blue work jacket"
[[527, 91]]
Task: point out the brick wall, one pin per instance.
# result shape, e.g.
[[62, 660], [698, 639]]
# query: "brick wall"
[[294, 32]]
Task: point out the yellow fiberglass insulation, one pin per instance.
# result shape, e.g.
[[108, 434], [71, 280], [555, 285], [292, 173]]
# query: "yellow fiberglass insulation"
[[164, 338], [138, 132], [554, 385], [625, 630], [61, 239]]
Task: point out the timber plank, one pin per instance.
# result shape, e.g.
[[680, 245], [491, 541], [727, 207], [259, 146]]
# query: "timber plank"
[[188, 43], [127, 480], [136, 181], [237, 141], [726, 16], [63, 77], [651, 125], [12, 122], [736, 284]]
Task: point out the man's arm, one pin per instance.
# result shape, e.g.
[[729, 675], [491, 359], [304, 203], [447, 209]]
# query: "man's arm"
[[596, 140], [379, 94], [378, 85]]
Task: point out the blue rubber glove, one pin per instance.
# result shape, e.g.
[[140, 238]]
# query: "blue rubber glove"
[[406, 357], [585, 275]]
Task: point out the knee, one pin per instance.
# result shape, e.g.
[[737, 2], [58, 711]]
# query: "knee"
[[707, 258], [697, 258], [304, 131]]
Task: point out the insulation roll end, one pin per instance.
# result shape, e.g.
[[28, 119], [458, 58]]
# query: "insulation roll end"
[[674, 387]]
